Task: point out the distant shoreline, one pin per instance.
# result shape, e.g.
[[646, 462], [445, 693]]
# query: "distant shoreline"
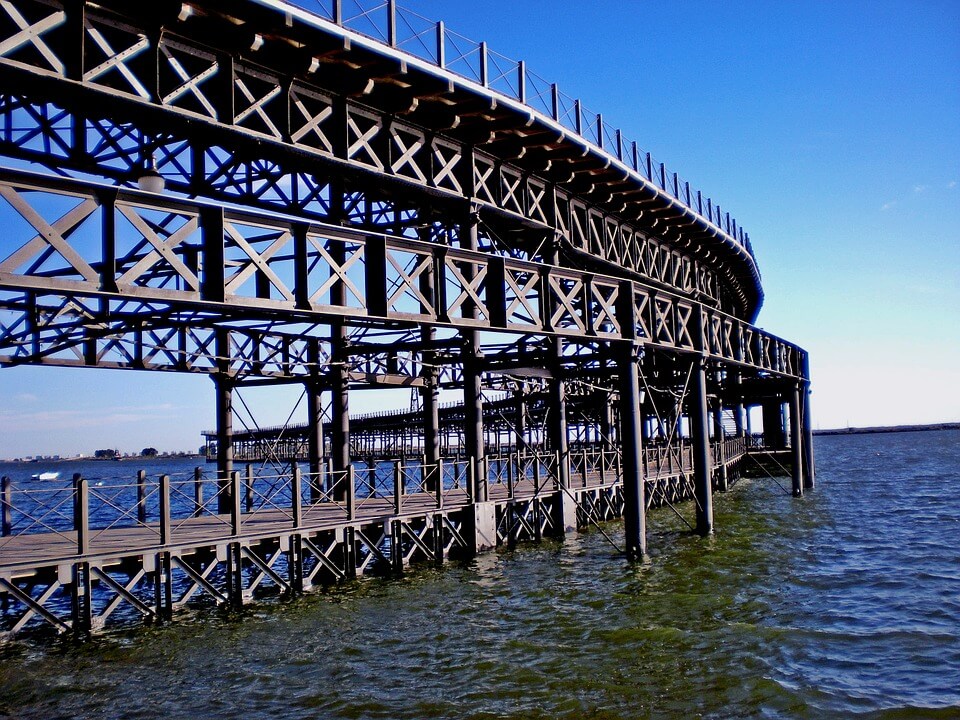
[[888, 429], [30, 460]]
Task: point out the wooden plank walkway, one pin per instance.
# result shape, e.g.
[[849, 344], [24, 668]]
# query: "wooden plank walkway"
[[22, 553]]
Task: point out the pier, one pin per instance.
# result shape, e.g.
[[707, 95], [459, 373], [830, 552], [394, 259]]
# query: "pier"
[[350, 203]]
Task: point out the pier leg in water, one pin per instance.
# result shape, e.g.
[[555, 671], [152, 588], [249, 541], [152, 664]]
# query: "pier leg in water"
[[631, 444], [565, 505], [809, 467], [796, 441], [701, 446]]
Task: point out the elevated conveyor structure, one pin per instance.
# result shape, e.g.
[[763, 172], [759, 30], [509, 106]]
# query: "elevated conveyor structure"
[[352, 197]]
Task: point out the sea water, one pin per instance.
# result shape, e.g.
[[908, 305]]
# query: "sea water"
[[845, 603]]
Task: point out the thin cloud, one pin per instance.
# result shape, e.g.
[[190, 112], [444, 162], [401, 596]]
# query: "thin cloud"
[[888, 205], [46, 420]]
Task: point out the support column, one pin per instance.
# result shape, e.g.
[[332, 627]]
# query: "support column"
[[796, 441], [631, 448], [773, 434], [558, 418], [699, 415], [340, 379], [520, 419], [224, 392], [431, 427], [606, 425], [473, 416], [472, 389], [430, 374], [809, 466], [340, 412], [738, 409], [315, 436], [484, 529], [565, 514]]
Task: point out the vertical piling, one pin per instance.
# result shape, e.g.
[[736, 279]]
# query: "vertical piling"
[[315, 434], [197, 491], [809, 466], [224, 391], [631, 446], [773, 434], [296, 501], [340, 407], [141, 496], [796, 441], [699, 415], [235, 507], [431, 432], [164, 502], [248, 488], [6, 506], [81, 513]]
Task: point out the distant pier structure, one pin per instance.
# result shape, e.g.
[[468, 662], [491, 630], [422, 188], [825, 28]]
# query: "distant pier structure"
[[353, 198]]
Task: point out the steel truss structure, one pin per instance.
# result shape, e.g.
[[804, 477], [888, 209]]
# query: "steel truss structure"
[[360, 200]]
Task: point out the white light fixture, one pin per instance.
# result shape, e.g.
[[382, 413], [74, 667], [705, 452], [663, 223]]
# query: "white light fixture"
[[150, 179]]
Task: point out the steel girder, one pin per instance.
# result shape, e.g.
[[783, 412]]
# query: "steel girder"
[[250, 122], [81, 251]]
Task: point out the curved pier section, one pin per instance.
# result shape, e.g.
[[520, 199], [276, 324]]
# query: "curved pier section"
[[348, 202]]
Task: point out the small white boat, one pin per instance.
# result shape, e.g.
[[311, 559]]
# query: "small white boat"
[[45, 476]]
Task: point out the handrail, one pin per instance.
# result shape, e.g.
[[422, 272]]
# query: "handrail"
[[405, 31]]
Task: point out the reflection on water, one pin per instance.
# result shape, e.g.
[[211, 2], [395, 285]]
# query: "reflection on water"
[[844, 603]]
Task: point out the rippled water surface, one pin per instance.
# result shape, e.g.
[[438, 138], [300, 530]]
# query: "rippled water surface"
[[845, 603]]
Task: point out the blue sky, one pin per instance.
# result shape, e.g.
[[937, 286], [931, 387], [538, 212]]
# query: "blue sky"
[[831, 131]]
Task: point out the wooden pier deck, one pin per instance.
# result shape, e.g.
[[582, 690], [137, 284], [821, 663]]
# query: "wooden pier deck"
[[77, 578]]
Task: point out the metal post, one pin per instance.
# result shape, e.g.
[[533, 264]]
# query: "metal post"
[[224, 391], [315, 436], [351, 494], [738, 409], [631, 450], [197, 491], [796, 441], [392, 23], [340, 450], [773, 435], [431, 431], [164, 500], [6, 506], [558, 419], [141, 496], [439, 483], [472, 389], [296, 501], [235, 512], [484, 76], [248, 488], [699, 415], [81, 515], [809, 466], [397, 487], [441, 46], [520, 420], [724, 480]]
